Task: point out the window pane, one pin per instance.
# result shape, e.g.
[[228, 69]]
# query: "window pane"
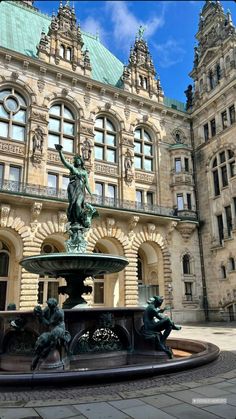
[[222, 157], [53, 139], [149, 198], [68, 145], [111, 192], [11, 104], [99, 137], [224, 176], [65, 182], [180, 202], [55, 110], [19, 116], [137, 147], [139, 196], [148, 165], [40, 292], [177, 165], [4, 129], [3, 113], [1, 173], [4, 264], [146, 136], [52, 290], [14, 175], [99, 123], [4, 93], [20, 99], [137, 162], [68, 128], [99, 189], [54, 124], [98, 153], [111, 139], [109, 126], [98, 293], [137, 133], [18, 133], [52, 181], [111, 155], [148, 150]]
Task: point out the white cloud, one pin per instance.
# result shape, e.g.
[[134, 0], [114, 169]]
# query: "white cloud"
[[93, 26], [169, 53], [126, 24]]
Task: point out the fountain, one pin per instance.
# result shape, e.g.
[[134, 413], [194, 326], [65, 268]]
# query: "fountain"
[[74, 345]]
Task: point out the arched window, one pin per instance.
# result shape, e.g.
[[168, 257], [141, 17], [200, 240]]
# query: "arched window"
[[105, 140], [186, 265], [140, 269], [143, 150], [223, 168], [12, 115], [231, 264], [61, 127]]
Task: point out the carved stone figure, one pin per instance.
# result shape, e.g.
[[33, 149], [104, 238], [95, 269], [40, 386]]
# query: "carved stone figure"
[[128, 164], [155, 322], [189, 95], [86, 150], [79, 213], [38, 140], [57, 336]]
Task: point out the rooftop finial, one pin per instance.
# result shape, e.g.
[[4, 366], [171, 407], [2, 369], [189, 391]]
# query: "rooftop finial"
[[141, 32]]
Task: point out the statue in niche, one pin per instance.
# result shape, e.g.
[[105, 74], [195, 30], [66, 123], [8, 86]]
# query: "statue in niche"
[[38, 140], [155, 322], [128, 165], [189, 95], [79, 212], [57, 336], [86, 150]]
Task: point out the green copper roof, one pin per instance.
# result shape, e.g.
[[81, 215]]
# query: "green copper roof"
[[20, 30]]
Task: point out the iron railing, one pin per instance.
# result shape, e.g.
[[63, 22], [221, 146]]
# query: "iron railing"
[[46, 192]]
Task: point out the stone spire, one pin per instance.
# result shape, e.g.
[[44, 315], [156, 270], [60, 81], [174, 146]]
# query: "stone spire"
[[63, 43], [139, 74]]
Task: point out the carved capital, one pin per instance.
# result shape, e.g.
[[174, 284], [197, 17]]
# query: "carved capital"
[[186, 229]]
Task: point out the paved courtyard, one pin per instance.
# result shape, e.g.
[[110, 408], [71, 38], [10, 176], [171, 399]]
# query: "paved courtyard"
[[206, 392]]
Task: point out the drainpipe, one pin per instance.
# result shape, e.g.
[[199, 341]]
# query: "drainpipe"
[[205, 299]]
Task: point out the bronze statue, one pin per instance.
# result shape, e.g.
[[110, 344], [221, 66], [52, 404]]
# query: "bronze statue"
[[79, 212], [57, 337], [155, 322]]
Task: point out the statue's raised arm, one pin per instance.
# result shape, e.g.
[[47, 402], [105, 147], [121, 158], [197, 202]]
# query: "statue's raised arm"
[[68, 165]]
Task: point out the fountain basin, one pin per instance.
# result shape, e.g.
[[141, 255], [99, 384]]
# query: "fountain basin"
[[81, 264]]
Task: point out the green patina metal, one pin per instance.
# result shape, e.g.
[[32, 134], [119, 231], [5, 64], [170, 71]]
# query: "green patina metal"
[[21, 29]]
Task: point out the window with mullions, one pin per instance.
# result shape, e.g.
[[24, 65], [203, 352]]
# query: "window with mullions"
[[61, 127], [143, 150], [223, 168], [1, 174], [12, 115], [188, 291], [105, 140]]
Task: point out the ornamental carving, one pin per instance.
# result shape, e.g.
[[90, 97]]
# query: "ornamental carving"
[[110, 222], [127, 141], [38, 141], [37, 116], [4, 212], [144, 177], [86, 130], [128, 165], [186, 229], [41, 85], [62, 219], [106, 169], [6, 147], [36, 210], [54, 158], [86, 150]]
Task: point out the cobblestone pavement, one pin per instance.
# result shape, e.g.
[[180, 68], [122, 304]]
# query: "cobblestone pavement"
[[205, 392]]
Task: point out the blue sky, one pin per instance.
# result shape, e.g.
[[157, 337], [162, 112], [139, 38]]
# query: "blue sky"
[[170, 30]]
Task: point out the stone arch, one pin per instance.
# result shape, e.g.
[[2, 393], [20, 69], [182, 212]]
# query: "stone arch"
[[107, 111], [180, 132], [191, 260], [151, 127], [51, 228], [68, 99], [22, 87], [149, 234]]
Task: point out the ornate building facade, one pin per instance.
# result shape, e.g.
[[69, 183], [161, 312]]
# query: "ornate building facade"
[[163, 183]]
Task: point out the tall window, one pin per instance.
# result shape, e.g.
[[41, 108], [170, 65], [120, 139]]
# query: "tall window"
[[99, 189], [14, 178], [52, 183], [105, 140], [12, 115], [180, 201], [213, 127], [61, 127], [188, 291], [111, 193], [150, 199], [223, 168], [139, 198], [206, 132], [232, 114], [189, 201], [220, 228], [228, 215], [224, 119], [186, 265], [232, 264], [1, 174], [186, 164], [143, 150], [178, 165]]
